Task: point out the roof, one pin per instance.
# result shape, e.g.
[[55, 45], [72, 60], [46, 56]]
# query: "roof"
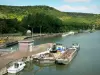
[[26, 41]]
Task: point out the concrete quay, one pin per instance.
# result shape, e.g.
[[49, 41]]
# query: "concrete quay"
[[6, 59]]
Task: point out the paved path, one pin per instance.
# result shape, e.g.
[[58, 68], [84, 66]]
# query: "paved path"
[[4, 60]]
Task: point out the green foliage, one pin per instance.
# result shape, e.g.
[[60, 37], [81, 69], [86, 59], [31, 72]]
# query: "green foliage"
[[8, 25], [20, 11], [44, 18], [47, 23]]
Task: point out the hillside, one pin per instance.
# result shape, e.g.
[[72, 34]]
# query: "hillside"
[[20, 11], [17, 19], [75, 14]]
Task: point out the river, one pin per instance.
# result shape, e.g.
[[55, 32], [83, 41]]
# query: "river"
[[87, 61]]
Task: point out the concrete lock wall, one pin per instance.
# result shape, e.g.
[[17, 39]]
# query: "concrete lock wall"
[[31, 47]]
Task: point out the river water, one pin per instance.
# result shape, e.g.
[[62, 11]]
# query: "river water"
[[87, 61]]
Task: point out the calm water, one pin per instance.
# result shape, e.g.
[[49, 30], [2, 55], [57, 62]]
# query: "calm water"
[[87, 61]]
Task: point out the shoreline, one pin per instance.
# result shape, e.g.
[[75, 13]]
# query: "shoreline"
[[8, 41], [44, 36], [12, 40]]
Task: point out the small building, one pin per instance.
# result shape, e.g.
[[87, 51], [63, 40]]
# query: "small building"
[[26, 45]]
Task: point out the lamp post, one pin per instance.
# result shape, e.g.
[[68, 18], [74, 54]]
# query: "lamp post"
[[32, 32], [1, 29], [40, 30]]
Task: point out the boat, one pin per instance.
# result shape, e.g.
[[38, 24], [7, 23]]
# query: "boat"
[[71, 33], [92, 30], [58, 54], [76, 45], [44, 58], [68, 33], [67, 55], [16, 67], [65, 34], [56, 47]]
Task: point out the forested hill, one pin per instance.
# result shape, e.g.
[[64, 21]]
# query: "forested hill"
[[77, 14], [49, 19], [20, 11]]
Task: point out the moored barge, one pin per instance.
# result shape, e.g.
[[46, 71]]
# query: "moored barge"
[[67, 55]]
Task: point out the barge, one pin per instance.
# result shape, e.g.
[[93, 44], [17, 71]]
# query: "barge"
[[67, 55], [57, 54], [44, 58]]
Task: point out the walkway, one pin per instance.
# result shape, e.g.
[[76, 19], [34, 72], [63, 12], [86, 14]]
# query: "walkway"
[[4, 60]]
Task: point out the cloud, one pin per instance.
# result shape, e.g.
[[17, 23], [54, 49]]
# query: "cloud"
[[84, 9], [67, 7], [77, 0]]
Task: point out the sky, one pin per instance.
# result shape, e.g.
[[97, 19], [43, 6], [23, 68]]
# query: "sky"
[[84, 6]]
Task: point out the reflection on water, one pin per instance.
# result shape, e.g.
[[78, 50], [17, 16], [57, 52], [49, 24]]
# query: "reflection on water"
[[32, 68]]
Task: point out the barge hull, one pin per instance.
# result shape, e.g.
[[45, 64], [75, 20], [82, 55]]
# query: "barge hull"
[[67, 60]]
